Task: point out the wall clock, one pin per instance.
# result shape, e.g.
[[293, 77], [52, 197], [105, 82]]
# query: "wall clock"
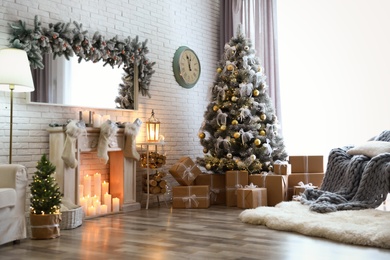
[[186, 67]]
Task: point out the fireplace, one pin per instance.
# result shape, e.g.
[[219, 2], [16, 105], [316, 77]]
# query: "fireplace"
[[119, 172]]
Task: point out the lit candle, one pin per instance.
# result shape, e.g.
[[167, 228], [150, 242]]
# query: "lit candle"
[[97, 206], [107, 201], [87, 185], [115, 204], [83, 204], [91, 211], [86, 116], [105, 186], [97, 189], [81, 190], [97, 120], [103, 209]]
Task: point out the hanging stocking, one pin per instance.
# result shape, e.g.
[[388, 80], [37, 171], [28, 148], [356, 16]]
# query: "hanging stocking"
[[131, 131], [107, 130], [73, 130]]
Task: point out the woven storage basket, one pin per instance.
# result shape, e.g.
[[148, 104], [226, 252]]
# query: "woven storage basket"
[[72, 218]]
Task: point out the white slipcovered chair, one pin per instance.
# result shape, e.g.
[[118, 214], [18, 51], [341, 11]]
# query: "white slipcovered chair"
[[13, 184]]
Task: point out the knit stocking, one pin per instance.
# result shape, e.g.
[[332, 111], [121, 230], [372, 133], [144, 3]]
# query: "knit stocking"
[[107, 130], [131, 131], [72, 133]]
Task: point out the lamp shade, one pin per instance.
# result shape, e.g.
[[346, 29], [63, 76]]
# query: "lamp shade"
[[15, 71]]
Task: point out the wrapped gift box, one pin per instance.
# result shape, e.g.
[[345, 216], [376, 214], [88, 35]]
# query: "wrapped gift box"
[[295, 178], [282, 168], [191, 197], [251, 197], [308, 163], [185, 171], [234, 180], [276, 186], [217, 185]]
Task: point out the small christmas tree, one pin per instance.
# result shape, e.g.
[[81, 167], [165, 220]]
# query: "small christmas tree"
[[240, 128], [45, 193]]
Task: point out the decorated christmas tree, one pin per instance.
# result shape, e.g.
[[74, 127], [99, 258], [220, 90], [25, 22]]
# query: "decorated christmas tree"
[[45, 193], [240, 128]]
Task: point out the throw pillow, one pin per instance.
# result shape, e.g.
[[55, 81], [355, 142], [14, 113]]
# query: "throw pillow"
[[370, 149]]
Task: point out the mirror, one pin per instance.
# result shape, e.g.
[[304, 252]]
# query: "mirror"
[[70, 83], [126, 56]]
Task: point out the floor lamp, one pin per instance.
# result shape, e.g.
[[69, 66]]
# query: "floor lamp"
[[15, 76]]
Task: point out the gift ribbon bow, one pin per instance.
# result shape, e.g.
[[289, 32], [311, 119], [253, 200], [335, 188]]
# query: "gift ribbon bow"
[[309, 185], [214, 194], [188, 201], [250, 186], [187, 174]]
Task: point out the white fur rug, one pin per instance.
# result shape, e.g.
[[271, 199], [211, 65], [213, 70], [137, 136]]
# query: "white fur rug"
[[368, 227]]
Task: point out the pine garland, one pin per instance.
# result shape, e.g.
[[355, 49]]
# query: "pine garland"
[[62, 39]]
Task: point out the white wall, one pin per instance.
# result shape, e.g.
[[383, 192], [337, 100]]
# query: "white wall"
[[167, 24], [334, 72]]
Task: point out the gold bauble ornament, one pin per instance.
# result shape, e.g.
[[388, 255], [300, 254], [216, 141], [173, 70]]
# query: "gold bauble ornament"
[[205, 150], [252, 157], [236, 135], [262, 133], [270, 168], [201, 135], [223, 127], [233, 80], [257, 142], [259, 68], [208, 166], [256, 92], [229, 156], [234, 122], [219, 70], [215, 108], [230, 67], [263, 117], [234, 98]]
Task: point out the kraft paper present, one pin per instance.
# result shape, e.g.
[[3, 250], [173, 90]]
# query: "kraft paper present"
[[307, 163], [282, 168], [295, 178], [217, 185], [185, 171], [234, 180], [191, 197], [298, 190], [276, 186], [250, 197]]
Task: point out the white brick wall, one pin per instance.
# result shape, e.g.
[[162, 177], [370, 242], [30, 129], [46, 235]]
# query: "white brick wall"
[[167, 24]]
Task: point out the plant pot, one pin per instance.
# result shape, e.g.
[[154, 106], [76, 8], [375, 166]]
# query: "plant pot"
[[45, 226]]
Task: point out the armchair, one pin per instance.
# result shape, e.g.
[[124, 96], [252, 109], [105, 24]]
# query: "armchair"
[[13, 183]]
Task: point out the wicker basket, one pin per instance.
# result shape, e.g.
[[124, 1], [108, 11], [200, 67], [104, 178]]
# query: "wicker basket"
[[72, 218]]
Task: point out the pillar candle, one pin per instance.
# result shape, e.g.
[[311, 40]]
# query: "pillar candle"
[[97, 206], [97, 120], [97, 188], [87, 185], [107, 201], [81, 190], [105, 186], [86, 116], [115, 204], [91, 211], [103, 209], [83, 204]]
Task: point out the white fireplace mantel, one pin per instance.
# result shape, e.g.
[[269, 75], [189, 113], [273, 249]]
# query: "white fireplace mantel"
[[122, 169]]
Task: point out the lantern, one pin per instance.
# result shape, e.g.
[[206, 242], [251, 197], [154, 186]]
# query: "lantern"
[[152, 128]]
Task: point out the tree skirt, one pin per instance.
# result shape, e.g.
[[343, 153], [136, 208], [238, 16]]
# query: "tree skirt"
[[368, 227]]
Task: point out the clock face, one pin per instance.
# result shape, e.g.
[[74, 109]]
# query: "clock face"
[[186, 67]]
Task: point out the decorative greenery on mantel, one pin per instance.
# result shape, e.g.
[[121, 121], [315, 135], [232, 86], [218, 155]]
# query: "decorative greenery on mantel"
[[64, 39]]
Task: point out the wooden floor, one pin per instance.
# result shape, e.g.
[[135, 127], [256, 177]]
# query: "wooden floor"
[[162, 233]]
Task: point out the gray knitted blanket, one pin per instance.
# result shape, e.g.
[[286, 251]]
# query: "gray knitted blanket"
[[352, 182]]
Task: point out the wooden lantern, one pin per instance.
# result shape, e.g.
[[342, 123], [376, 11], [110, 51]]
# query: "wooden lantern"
[[152, 129]]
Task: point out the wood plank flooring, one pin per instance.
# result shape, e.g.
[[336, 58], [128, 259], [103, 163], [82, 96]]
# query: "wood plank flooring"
[[163, 233]]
